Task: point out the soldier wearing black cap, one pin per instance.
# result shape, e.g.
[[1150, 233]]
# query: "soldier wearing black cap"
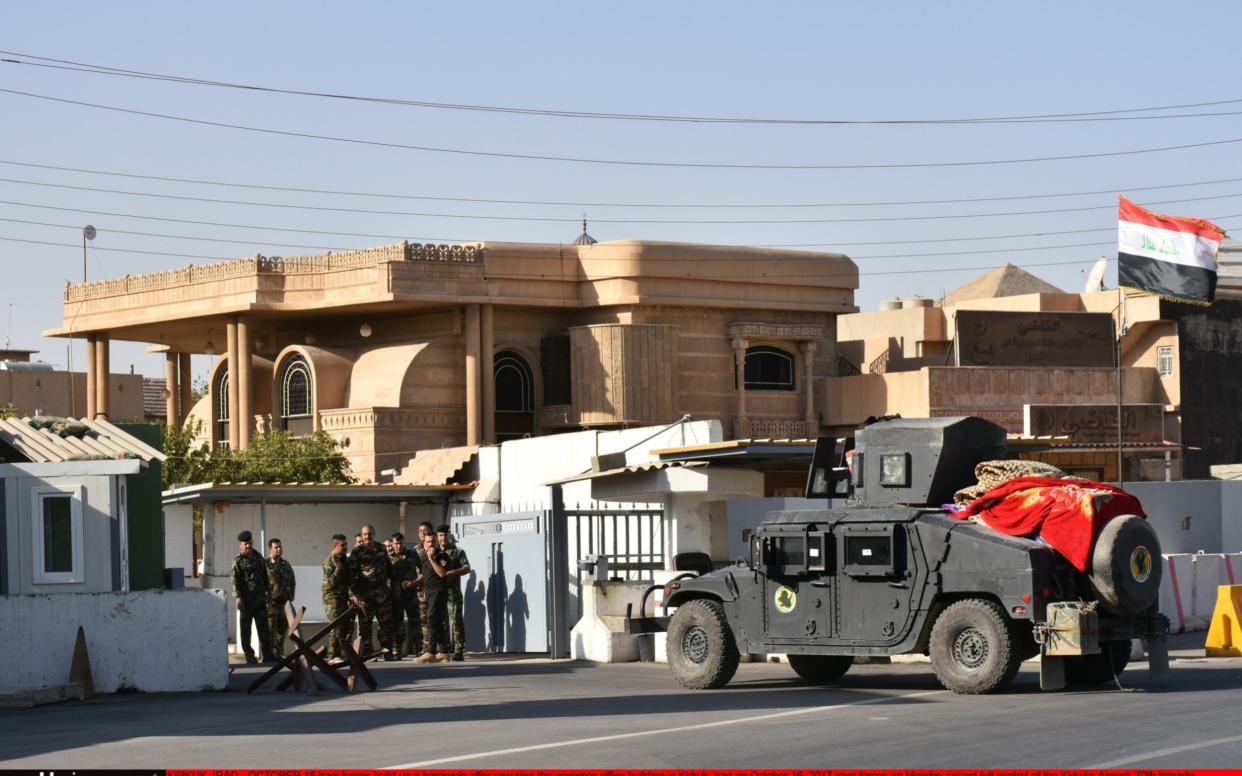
[[251, 589]]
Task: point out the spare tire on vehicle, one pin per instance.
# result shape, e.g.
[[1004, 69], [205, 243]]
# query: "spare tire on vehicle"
[[1126, 565]]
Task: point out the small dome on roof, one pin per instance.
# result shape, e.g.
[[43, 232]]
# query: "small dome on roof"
[[584, 238]]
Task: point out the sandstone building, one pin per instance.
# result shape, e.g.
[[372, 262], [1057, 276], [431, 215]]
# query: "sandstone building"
[[32, 387], [408, 347], [1179, 367]]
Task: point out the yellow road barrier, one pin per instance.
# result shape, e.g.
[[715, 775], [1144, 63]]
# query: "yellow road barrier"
[[1224, 638]]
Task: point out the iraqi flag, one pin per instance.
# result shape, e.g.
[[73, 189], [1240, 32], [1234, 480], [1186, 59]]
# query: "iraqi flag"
[[1169, 256]]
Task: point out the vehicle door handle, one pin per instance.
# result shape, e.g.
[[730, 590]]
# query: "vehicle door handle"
[[819, 583]]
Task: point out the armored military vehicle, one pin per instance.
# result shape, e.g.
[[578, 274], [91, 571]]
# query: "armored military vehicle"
[[892, 573]]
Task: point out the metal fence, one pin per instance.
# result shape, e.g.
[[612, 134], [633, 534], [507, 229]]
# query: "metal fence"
[[632, 540]]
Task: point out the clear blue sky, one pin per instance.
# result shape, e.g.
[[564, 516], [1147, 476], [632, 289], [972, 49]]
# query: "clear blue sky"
[[801, 60]]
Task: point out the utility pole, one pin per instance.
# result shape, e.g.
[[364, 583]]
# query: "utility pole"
[[88, 233]]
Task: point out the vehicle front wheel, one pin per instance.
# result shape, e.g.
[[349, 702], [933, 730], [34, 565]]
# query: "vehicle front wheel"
[[974, 649], [701, 650], [820, 669]]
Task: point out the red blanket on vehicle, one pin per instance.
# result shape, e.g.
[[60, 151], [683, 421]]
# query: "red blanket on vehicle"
[[1067, 514]]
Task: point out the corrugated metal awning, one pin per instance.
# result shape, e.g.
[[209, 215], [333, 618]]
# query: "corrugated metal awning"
[[100, 441], [309, 493], [650, 466]]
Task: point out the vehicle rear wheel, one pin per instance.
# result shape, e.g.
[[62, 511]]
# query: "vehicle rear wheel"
[[701, 650], [1088, 670], [820, 669], [974, 649], [1125, 565]]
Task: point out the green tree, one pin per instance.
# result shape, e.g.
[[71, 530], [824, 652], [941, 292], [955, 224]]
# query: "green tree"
[[187, 463], [275, 457], [198, 389]]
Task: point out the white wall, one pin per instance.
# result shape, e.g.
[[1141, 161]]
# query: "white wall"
[[1231, 516], [152, 640], [1168, 504], [179, 538], [305, 530]]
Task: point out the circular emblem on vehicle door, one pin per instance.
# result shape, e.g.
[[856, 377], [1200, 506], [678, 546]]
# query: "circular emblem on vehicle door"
[[786, 599], [1140, 563]]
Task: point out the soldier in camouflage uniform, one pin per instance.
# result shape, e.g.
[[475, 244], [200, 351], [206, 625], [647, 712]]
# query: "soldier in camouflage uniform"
[[457, 565], [405, 574], [424, 529], [280, 576], [336, 585], [372, 591], [251, 591], [434, 585]]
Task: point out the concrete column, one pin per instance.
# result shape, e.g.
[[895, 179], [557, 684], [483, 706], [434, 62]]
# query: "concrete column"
[[234, 395], [172, 391], [739, 358], [245, 384], [487, 372], [90, 376], [808, 369], [474, 424], [102, 397], [185, 385]]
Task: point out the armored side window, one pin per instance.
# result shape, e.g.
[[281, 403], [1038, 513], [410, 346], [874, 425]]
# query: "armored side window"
[[817, 551], [873, 550], [793, 550], [785, 554], [869, 550]]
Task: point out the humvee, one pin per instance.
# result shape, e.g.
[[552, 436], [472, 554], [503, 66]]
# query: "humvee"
[[891, 573]]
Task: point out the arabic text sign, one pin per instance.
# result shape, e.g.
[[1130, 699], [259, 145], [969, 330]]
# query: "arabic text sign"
[[995, 338], [1140, 423]]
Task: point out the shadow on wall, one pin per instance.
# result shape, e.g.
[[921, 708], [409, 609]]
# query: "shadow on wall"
[[475, 600], [517, 612], [495, 616]]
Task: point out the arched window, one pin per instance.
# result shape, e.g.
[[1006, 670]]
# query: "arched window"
[[222, 409], [769, 369], [515, 396], [296, 412]]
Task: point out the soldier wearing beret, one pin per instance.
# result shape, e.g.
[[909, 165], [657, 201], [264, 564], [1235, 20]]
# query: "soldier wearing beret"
[[251, 590]]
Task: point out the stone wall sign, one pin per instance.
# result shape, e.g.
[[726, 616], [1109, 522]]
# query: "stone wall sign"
[[1095, 423], [996, 338]]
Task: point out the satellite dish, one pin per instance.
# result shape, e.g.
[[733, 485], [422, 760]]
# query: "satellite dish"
[[1095, 279], [88, 232]]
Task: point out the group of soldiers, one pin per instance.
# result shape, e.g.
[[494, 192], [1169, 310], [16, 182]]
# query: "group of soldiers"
[[413, 593]]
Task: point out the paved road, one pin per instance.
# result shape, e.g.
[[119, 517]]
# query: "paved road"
[[534, 713]]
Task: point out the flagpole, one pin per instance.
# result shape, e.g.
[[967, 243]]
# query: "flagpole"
[[1121, 329]]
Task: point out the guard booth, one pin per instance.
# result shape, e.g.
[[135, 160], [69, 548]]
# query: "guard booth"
[[506, 591]]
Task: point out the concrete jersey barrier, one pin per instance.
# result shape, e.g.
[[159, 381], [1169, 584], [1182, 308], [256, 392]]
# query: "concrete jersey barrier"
[[1189, 588], [150, 640]]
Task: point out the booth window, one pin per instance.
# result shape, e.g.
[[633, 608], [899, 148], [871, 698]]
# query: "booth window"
[[295, 393], [769, 369], [58, 536]]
